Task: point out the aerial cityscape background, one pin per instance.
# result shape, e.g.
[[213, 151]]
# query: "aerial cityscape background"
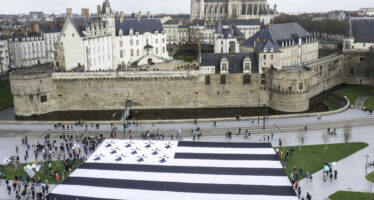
[[172, 6]]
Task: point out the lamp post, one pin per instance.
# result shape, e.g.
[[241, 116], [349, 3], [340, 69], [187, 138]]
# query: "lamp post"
[[366, 166]]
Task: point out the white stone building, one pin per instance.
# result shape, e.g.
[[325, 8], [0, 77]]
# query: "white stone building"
[[281, 45], [51, 33], [106, 41], [4, 54], [201, 31], [27, 49], [359, 35], [176, 32], [227, 40]]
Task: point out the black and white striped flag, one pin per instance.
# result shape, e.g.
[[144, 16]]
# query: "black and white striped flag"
[[172, 170]]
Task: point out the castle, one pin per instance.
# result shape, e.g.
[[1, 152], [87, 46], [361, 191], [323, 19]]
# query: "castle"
[[277, 67]]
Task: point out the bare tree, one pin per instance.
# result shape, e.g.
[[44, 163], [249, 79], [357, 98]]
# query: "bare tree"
[[325, 139], [347, 133]]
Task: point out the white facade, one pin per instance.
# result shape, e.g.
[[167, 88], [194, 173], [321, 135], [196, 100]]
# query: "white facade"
[[4, 55], [27, 50], [141, 49], [107, 42], [226, 45]]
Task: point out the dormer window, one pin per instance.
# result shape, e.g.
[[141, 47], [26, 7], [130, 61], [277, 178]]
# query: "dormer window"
[[224, 66], [247, 65], [265, 50], [272, 50]]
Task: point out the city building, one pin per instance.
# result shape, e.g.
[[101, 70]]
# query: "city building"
[[27, 48], [337, 15], [202, 31], [212, 10], [4, 54], [108, 41], [281, 45], [51, 33], [36, 16], [366, 12], [227, 39], [359, 34]]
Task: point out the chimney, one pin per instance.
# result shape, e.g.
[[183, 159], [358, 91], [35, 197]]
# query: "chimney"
[[50, 25], [69, 12], [24, 30], [117, 14], [139, 16], [33, 27], [148, 14], [231, 28], [85, 13], [98, 10], [121, 17]]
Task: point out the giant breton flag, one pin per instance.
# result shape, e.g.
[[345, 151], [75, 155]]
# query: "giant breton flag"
[[172, 170]]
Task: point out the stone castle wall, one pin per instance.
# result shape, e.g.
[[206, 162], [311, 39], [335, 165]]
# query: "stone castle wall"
[[76, 91]]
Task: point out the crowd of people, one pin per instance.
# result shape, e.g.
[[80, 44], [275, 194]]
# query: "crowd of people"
[[68, 150]]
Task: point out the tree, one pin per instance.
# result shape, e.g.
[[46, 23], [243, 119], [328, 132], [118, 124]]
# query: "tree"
[[347, 133], [325, 139]]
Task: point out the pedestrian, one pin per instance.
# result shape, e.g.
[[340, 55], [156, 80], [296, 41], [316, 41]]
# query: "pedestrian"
[[298, 191], [331, 175], [335, 174], [311, 178], [306, 128], [9, 189], [324, 176], [57, 178], [308, 196], [272, 136], [307, 175]]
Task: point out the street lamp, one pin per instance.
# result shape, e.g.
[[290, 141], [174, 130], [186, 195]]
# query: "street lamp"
[[366, 166]]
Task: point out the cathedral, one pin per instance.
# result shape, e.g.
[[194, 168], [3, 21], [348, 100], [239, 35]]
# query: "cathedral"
[[211, 10]]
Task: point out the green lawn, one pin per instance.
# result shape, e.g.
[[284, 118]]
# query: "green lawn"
[[10, 172], [370, 177], [345, 195], [311, 158], [6, 98], [369, 103], [353, 92]]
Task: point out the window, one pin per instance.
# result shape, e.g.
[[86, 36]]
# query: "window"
[[272, 56], [72, 34], [137, 42], [263, 82], [352, 71], [246, 79], [163, 49], [362, 59], [224, 67], [137, 52], [156, 50], [207, 80], [132, 52], [131, 42], [246, 66], [223, 79], [301, 86], [121, 43], [121, 54], [264, 57], [43, 98], [156, 41]]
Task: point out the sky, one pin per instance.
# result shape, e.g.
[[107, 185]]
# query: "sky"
[[169, 6]]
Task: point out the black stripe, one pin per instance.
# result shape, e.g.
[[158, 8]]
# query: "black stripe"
[[183, 187], [223, 144], [70, 197], [212, 156], [186, 169]]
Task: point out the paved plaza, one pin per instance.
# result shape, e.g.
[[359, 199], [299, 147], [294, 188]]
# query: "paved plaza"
[[351, 169]]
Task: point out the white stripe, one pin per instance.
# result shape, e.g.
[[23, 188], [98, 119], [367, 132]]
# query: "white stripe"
[[183, 178], [210, 163], [114, 193], [225, 150]]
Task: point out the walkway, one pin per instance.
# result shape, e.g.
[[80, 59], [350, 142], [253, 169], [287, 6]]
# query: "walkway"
[[361, 101], [351, 169]]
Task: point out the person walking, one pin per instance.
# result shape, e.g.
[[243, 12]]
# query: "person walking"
[[308, 196], [335, 174], [331, 175]]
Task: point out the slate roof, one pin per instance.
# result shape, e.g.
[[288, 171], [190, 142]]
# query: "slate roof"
[[235, 61], [233, 31], [172, 21], [141, 26], [362, 29], [80, 23], [105, 3], [4, 37], [273, 35], [241, 22], [46, 28], [21, 35]]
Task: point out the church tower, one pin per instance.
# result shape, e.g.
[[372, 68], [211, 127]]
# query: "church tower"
[[197, 9]]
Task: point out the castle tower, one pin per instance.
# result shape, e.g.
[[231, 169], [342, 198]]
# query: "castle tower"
[[107, 15], [197, 9]]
